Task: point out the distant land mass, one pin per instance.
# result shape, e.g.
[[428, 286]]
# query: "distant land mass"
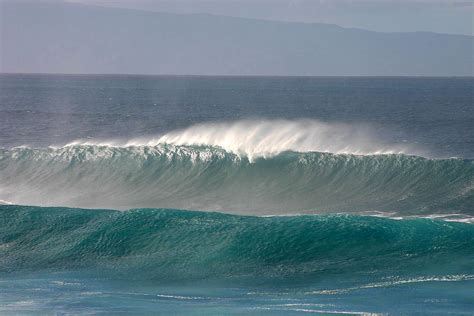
[[72, 38]]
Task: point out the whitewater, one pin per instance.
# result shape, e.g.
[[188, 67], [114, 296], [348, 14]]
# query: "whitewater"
[[266, 138], [257, 168]]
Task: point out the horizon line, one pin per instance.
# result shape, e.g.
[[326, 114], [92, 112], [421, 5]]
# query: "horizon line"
[[228, 75]]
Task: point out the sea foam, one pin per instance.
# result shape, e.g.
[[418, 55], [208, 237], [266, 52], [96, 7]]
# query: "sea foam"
[[266, 138]]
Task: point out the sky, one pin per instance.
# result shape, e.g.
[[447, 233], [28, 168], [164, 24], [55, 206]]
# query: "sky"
[[442, 16], [81, 36]]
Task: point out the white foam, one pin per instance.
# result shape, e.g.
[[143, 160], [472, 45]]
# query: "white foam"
[[453, 217], [271, 137], [396, 282], [3, 202], [315, 311]]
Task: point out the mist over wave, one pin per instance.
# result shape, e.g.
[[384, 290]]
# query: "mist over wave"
[[244, 167], [267, 138]]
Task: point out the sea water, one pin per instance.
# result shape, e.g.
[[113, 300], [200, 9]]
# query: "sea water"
[[232, 195]]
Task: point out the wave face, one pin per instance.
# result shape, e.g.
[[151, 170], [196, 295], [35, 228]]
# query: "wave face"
[[157, 244], [210, 178]]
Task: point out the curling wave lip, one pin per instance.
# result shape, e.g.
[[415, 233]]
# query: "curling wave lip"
[[267, 138]]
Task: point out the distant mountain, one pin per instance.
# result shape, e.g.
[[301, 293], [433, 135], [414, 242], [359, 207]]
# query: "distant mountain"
[[70, 38]]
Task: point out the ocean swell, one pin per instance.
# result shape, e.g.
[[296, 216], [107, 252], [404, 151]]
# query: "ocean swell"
[[211, 178], [172, 245]]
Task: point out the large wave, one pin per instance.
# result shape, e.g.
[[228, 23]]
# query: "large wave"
[[211, 178], [182, 245]]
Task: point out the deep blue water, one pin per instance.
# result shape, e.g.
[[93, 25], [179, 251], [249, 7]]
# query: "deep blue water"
[[41, 110], [374, 177]]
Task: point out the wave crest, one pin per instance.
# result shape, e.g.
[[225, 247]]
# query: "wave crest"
[[268, 138]]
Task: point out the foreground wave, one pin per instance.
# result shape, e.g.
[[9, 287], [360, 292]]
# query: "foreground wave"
[[211, 178], [172, 245]]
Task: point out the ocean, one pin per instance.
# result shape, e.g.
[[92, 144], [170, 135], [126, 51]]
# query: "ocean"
[[194, 195]]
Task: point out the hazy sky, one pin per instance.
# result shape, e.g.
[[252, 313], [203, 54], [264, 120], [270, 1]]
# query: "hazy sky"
[[444, 16], [77, 38]]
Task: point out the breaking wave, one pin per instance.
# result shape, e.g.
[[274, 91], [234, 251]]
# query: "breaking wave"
[[213, 179], [254, 139]]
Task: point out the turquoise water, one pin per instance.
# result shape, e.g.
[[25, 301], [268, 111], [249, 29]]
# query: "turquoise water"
[[58, 294], [166, 260], [236, 196], [210, 178]]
